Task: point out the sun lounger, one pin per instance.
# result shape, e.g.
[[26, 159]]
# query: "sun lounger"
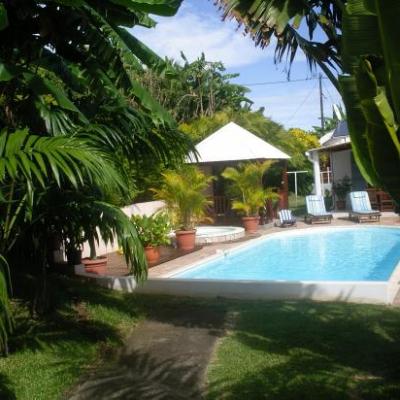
[[316, 210], [361, 208], [286, 218]]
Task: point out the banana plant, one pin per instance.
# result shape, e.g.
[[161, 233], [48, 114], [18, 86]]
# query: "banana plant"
[[371, 89]]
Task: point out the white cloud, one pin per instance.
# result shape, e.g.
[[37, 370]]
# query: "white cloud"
[[196, 29], [194, 32]]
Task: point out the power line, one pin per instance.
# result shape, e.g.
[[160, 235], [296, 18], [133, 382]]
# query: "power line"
[[329, 93], [280, 82], [302, 103]]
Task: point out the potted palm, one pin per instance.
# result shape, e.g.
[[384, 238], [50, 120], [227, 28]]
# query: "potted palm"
[[341, 188], [248, 182], [183, 192], [153, 232]]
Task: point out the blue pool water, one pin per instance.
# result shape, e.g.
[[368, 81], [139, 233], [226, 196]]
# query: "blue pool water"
[[330, 254]]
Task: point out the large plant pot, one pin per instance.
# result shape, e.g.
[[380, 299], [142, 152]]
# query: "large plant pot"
[[185, 240], [96, 266], [340, 204], [251, 224], [152, 254]]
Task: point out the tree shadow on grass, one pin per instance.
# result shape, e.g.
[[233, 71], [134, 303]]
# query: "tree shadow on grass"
[[89, 316], [165, 357], [57, 330], [304, 350], [140, 376], [6, 391]]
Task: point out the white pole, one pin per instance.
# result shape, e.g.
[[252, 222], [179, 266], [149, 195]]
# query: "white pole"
[[317, 173], [295, 181]]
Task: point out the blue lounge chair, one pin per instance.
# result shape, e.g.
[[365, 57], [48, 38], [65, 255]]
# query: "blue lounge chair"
[[286, 218], [361, 207], [316, 210]]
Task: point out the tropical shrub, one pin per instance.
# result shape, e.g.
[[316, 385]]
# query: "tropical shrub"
[[183, 192], [72, 112], [248, 180], [153, 230]]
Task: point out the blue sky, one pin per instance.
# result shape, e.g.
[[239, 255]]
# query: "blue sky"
[[197, 28]]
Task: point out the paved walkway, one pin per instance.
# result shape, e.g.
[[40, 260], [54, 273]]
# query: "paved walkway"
[[165, 357]]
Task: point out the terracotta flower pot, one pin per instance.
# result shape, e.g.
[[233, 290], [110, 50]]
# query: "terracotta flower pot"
[[152, 254], [251, 224], [341, 204], [185, 240], [96, 266]]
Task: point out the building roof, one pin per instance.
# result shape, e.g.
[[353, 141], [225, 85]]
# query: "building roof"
[[341, 130], [337, 139], [231, 143]]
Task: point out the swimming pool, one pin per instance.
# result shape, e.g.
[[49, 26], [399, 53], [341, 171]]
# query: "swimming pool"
[[321, 254]]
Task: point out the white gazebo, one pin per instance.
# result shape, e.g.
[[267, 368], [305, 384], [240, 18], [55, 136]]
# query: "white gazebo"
[[228, 146], [234, 143]]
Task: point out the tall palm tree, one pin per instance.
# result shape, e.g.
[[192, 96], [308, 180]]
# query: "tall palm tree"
[[293, 25]]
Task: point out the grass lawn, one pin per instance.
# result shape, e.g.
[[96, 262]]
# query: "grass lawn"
[[48, 355], [304, 350], [274, 350]]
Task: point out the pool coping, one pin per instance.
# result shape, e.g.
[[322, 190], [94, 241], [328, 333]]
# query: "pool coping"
[[219, 253], [380, 292]]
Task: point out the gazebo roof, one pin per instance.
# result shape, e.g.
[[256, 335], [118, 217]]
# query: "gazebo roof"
[[231, 143]]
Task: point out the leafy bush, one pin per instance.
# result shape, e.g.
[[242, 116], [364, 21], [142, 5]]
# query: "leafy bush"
[[153, 230]]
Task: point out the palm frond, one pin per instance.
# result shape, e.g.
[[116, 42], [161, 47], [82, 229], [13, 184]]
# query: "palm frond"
[[38, 158], [265, 19]]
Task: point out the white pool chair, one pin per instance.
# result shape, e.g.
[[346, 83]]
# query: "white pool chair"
[[316, 210], [286, 218], [361, 208]]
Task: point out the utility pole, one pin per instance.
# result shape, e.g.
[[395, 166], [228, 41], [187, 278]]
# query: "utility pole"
[[321, 104]]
